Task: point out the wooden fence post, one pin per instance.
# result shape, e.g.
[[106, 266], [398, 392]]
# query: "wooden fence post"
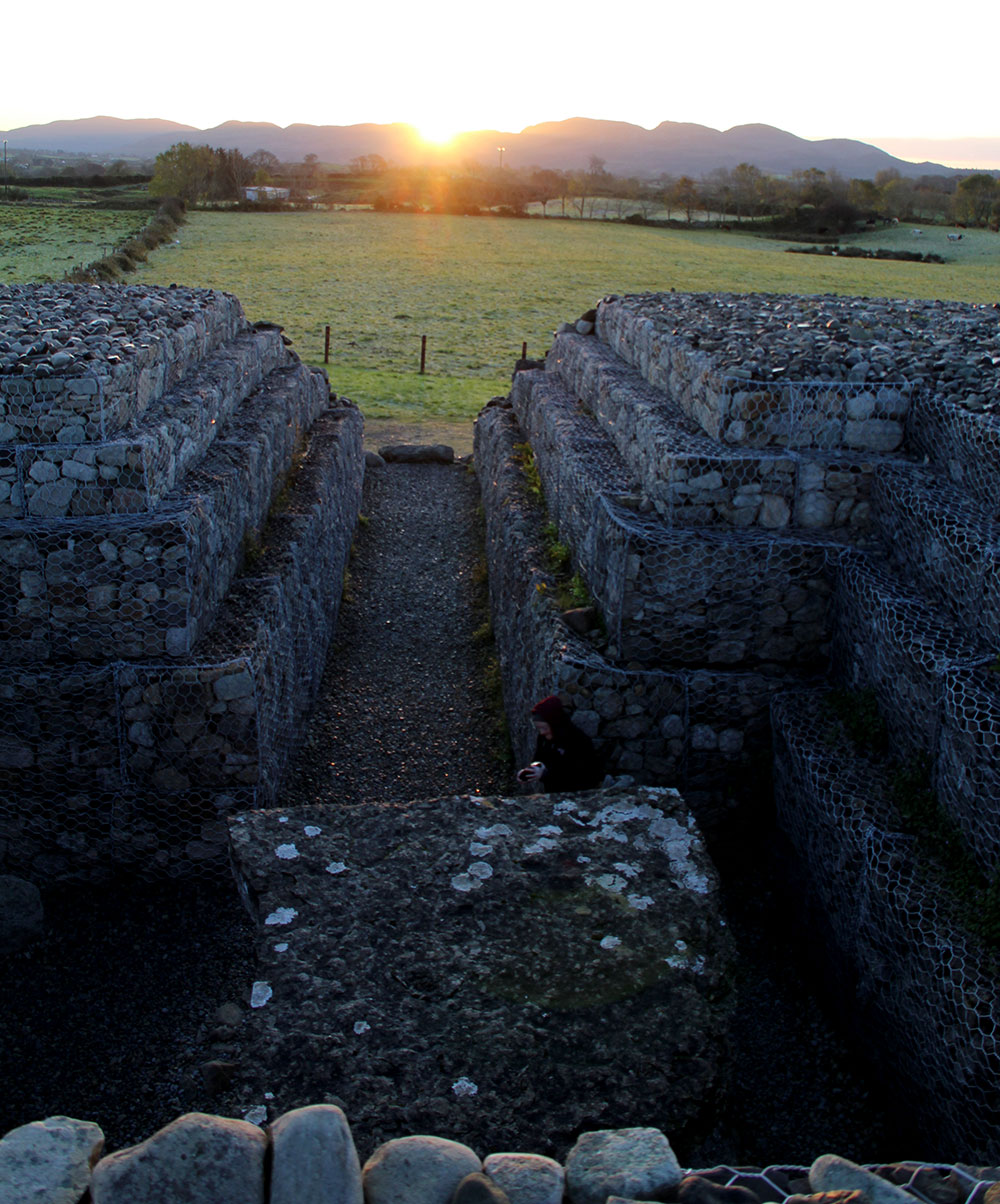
[[423, 353], [326, 347]]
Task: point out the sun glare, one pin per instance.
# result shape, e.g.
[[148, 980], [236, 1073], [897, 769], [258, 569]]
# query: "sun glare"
[[437, 133]]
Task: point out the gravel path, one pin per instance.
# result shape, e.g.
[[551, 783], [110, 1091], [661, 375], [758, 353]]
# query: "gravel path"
[[402, 711]]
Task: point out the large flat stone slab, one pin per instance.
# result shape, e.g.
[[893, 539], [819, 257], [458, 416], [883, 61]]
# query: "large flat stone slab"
[[504, 971]]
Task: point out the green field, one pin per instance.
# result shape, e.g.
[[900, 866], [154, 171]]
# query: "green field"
[[478, 287], [44, 241]]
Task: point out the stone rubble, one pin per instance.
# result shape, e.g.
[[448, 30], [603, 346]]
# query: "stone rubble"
[[950, 347]]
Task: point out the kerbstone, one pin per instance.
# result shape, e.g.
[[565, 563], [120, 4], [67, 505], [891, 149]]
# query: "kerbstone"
[[417, 1170], [624, 1162], [197, 1159], [314, 1159], [49, 1161]]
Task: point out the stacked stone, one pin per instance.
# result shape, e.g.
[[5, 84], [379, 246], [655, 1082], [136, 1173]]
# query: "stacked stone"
[[782, 481], [707, 509], [148, 433], [309, 1155], [916, 629]]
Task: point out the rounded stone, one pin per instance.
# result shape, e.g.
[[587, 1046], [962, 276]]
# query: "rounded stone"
[[49, 1160], [417, 1170], [314, 1159]]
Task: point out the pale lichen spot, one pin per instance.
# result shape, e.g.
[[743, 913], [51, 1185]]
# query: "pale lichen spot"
[[464, 1087], [257, 1115], [609, 882], [628, 868], [610, 942], [464, 883], [481, 870], [282, 819], [281, 947], [281, 915], [478, 849], [260, 993], [550, 830], [486, 833], [336, 867], [639, 902], [544, 844], [287, 852], [361, 1026], [312, 830], [582, 860]]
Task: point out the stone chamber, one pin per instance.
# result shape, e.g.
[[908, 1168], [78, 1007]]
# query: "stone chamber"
[[782, 514]]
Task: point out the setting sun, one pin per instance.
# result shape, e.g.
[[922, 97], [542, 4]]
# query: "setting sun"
[[437, 132]]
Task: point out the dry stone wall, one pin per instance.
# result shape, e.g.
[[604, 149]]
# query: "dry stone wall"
[[760, 491], [166, 606]]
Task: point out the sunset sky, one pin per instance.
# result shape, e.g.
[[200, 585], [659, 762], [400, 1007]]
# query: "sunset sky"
[[877, 72]]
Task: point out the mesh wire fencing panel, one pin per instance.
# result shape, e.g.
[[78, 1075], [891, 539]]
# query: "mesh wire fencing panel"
[[924, 981]]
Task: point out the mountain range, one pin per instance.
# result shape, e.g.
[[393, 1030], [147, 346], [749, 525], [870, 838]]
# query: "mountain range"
[[678, 148]]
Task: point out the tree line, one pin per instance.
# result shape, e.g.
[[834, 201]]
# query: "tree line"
[[813, 201]]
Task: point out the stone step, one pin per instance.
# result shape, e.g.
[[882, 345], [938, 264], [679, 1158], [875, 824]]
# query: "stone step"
[[694, 728], [694, 480], [939, 537], [139, 763], [727, 405], [133, 471], [887, 925], [149, 585], [690, 598], [673, 596], [135, 343], [887, 638]]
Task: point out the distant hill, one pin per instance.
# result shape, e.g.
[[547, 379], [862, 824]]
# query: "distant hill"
[[679, 148]]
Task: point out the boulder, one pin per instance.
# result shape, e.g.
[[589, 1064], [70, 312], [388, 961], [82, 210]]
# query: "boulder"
[[417, 1170], [197, 1158], [831, 1173], [417, 453], [314, 1159], [527, 1178], [635, 1163], [49, 1161]]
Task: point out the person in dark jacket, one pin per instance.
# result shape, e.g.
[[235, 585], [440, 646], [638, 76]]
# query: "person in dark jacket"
[[565, 757]]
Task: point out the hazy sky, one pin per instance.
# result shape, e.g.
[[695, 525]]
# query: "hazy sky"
[[868, 70]]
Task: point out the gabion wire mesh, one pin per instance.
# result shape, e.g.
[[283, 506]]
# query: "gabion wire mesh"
[[150, 690], [695, 728], [694, 479], [931, 1183], [734, 533], [888, 639], [923, 983]]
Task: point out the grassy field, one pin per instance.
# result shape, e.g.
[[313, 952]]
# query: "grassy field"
[[43, 241], [476, 287]]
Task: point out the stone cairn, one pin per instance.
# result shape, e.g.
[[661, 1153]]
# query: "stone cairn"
[[308, 1156], [765, 496], [178, 495]]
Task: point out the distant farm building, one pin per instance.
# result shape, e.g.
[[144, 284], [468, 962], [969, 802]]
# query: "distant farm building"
[[265, 192]]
